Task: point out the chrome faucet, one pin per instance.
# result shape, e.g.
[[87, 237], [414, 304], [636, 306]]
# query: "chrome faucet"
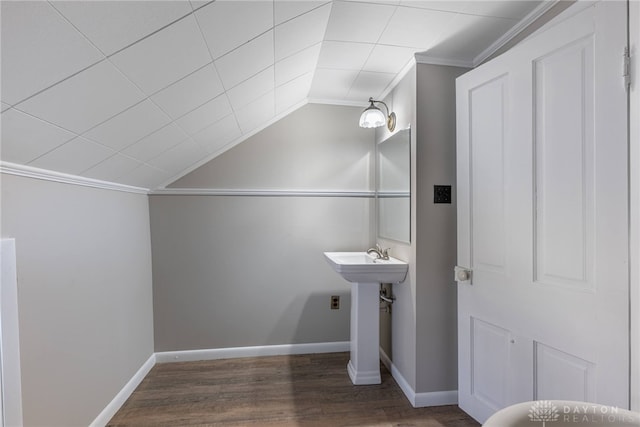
[[380, 253]]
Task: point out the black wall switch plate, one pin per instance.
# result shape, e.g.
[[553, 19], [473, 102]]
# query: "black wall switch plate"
[[441, 194]]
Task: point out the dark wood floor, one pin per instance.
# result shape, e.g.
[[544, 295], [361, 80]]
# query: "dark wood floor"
[[301, 390]]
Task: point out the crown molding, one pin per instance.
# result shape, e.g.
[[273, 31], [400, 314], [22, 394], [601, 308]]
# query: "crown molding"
[[63, 178], [514, 31], [425, 58], [338, 102]]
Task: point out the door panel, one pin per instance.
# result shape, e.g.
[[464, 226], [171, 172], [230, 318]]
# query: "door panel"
[[542, 219], [563, 97], [559, 375], [487, 118], [490, 355]]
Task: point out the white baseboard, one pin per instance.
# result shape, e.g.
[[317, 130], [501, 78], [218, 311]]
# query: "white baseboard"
[[110, 410], [419, 400], [436, 398], [267, 350], [385, 359]]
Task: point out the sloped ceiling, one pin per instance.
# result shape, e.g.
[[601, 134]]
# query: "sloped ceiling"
[[139, 92]]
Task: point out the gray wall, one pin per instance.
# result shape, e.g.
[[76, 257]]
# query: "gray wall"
[[232, 271], [84, 295], [317, 147], [422, 328], [436, 292]]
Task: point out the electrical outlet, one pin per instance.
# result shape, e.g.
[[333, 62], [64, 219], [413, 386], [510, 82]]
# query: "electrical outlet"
[[335, 302]]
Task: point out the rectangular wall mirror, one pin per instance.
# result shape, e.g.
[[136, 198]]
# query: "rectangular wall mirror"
[[393, 192]]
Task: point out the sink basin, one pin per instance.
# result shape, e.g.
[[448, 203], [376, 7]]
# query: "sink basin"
[[360, 267]]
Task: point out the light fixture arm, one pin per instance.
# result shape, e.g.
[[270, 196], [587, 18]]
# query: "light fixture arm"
[[391, 116]]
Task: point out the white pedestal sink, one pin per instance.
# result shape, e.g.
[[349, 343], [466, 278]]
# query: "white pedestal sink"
[[365, 272]]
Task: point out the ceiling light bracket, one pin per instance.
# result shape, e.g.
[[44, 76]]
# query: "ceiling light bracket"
[[373, 117]]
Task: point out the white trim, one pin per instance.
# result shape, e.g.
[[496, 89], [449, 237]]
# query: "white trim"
[[11, 393], [514, 31], [425, 58], [255, 351], [419, 400], [634, 204], [64, 178], [384, 358], [114, 406], [338, 102], [260, 193], [436, 398], [393, 194]]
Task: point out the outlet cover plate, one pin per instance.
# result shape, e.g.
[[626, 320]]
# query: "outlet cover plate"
[[335, 302], [441, 194]]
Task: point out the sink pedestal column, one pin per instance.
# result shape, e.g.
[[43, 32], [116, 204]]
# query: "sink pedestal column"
[[364, 366]]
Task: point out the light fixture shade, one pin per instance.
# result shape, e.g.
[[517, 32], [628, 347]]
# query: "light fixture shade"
[[372, 117]]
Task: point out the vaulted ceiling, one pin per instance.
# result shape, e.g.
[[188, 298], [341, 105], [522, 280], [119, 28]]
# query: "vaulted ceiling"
[[139, 92]]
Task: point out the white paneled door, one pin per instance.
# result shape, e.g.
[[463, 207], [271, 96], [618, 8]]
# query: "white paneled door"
[[542, 219]]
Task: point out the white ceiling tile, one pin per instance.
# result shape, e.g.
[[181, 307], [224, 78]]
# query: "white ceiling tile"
[[190, 92], [293, 92], [257, 113], [39, 49], [344, 55], [179, 157], [86, 99], [473, 34], [113, 25], [216, 136], [296, 65], [164, 57], [25, 138], [418, 28], [289, 9], [503, 9], [112, 168], [227, 25], [205, 115], [389, 59], [358, 22], [144, 176], [301, 32], [330, 84], [74, 157], [252, 89], [246, 61], [370, 84], [156, 143], [129, 126]]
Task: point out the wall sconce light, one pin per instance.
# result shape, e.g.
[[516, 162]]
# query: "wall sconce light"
[[373, 117]]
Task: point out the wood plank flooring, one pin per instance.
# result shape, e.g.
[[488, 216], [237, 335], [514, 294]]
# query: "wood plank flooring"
[[299, 390]]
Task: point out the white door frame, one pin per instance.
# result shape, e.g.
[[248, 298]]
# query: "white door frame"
[[634, 123], [11, 388]]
